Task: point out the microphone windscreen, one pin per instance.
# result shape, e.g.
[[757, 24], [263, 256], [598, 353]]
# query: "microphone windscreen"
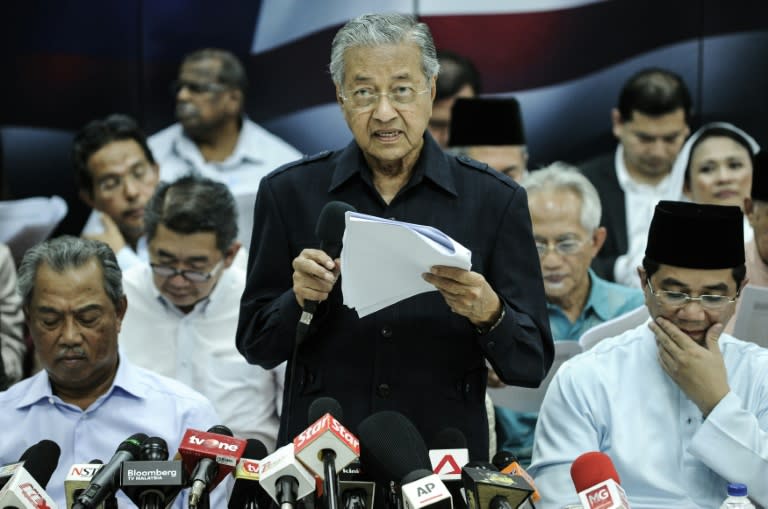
[[322, 406], [449, 438], [330, 223], [592, 468], [221, 430], [40, 460], [254, 449], [391, 447], [503, 459], [132, 444], [154, 449]]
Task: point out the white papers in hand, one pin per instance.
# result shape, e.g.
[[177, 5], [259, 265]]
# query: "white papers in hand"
[[382, 260]]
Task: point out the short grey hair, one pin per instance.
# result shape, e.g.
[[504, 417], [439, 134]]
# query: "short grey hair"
[[371, 30], [67, 252], [560, 176]]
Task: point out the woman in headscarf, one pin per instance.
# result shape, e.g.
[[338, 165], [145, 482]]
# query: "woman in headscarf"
[[715, 167]]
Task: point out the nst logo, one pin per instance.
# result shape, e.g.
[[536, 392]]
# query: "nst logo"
[[599, 498], [212, 443], [84, 470]]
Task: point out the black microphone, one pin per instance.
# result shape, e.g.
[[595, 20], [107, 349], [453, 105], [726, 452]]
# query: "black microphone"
[[105, 481], [40, 460], [23, 483], [448, 454], [205, 471], [328, 454], [487, 488], [393, 450], [247, 493], [330, 230]]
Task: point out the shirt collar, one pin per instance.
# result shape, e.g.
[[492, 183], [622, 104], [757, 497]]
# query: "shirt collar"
[[247, 148], [596, 301], [432, 164], [126, 380]]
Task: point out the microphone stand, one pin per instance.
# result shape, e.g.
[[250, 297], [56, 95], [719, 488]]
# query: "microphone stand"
[[331, 480]]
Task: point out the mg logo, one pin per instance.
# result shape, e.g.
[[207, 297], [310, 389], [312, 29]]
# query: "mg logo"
[[599, 498]]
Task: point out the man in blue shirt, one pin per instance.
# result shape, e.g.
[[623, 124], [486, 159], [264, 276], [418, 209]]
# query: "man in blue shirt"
[[87, 399], [565, 213]]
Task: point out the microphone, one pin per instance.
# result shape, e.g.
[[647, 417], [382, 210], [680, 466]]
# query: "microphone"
[[330, 230], [78, 478], [507, 463], [326, 446], [487, 488], [285, 478], [597, 482], [153, 482], [246, 491], [393, 450], [208, 456], [104, 482], [24, 482], [448, 454]]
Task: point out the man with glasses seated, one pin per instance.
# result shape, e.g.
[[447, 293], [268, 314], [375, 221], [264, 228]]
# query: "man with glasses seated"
[[679, 406], [214, 137], [184, 306], [116, 175], [565, 213]]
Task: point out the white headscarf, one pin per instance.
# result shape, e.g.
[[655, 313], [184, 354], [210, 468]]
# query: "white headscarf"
[[677, 176]]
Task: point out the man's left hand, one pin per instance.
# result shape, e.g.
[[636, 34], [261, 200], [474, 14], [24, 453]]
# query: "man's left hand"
[[466, 293], [698, 370]]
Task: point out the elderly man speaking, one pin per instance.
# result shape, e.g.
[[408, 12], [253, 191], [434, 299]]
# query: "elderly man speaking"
[[424, 356]]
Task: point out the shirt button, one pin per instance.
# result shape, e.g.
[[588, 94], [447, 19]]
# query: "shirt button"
[[386, 332], [383, 390], [491, 345]]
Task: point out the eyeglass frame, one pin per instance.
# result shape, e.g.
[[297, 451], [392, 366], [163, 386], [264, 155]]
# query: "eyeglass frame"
[[185, 273], [377, 99], [142, 179], [689, 299], [196, 88], [549, 243]]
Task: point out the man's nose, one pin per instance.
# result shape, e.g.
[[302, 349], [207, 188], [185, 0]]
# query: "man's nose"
[[384, 111], [70, 332]]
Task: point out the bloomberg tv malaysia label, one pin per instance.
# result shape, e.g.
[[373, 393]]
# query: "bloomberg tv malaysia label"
[[144, 473]]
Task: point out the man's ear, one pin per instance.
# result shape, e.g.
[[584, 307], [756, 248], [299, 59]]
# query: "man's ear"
[[598, 239], [643, 277], [616, 122], [230, 253], [339, 95]]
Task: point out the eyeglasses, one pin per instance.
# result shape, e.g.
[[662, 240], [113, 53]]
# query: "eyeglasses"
[[196, 88], [563, 247], [366, 97], [680, 299], [142, 174], [194, 276]]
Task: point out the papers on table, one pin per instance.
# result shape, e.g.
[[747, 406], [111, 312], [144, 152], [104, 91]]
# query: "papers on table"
[[751, 321], [382, 260]]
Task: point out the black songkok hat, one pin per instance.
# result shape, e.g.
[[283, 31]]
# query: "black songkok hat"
[[696, 236], [478, 121], [760, 176]]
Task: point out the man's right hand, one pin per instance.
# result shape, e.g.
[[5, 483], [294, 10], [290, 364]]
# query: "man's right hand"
[[111, 234], [314, 274]]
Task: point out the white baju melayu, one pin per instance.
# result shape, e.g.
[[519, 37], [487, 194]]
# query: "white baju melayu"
[[617, 399]]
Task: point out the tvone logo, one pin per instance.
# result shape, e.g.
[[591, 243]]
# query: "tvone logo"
[[212, 443], [599, 498]]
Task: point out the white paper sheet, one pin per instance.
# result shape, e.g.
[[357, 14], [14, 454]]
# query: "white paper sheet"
[[382, 260]]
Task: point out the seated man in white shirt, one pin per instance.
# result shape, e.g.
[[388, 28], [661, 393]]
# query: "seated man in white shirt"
[[185, 305], [214, 137], [679, 406], [116, 175], [88, 399]]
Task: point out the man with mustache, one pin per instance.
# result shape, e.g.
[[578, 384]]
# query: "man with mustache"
[[679, 406], [116, 175], [214, 137], [565, 213], [651, 123], [88, 398]]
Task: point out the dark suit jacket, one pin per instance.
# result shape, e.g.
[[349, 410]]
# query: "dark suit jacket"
[[416, 356], [601, 171]]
